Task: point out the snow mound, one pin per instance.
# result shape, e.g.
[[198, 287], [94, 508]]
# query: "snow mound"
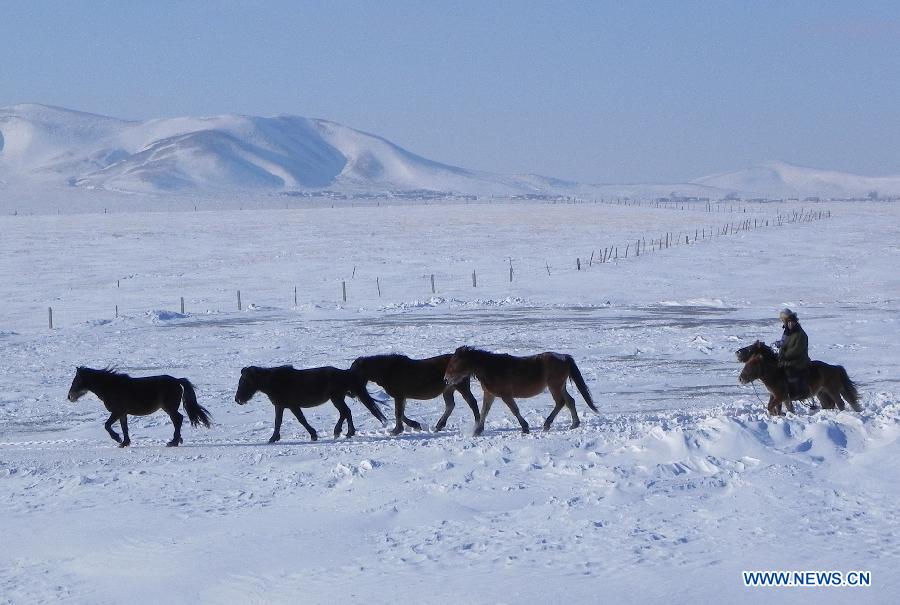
[[162, 316], [783, 180]]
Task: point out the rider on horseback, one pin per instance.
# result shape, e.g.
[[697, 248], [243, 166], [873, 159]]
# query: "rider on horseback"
[[793, 354]]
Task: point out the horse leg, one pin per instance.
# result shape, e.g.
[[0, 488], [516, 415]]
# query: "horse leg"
[[298, 412], [514, 408], [774, 406], [109, 429], [559, 401], [276, 434], [466, 391], [344, 411], [123, 422], [449, 404], [400, 417], [485, 408], [570, 403], [177, 419], [399, 406], [839, 401], [789, 404], [826, 401]]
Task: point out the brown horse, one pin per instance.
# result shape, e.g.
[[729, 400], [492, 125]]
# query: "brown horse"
[[403, 378], [123, 395], [829, 384], [507, 376], [295, 389]]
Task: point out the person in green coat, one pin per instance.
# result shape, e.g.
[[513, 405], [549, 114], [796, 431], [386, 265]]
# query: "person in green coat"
[[793, 353]]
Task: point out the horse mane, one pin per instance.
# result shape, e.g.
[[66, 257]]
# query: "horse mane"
[[467, 350], [767, 353], [107, 372]]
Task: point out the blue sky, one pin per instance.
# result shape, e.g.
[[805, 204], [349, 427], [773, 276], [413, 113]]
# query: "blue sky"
[[592, 91]]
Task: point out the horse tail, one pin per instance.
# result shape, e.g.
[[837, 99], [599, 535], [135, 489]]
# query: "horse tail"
[[197, 414], [578, 379], [359, 391], [849, 390]]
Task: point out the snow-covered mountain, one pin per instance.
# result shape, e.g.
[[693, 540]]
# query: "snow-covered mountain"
[[226, 153], [43, 145], [783, 180]]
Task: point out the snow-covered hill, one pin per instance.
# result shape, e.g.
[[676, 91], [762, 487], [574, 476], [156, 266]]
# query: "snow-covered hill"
[[783, 180], [44, 146], [225, 153]]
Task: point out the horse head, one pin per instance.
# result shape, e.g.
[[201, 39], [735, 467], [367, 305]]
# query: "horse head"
[[460, 365], [757, 348], [753, 369], [248, 384], [78, 388]]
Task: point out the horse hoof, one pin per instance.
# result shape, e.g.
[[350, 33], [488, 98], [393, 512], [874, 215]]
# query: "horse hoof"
[[314, 437], [546, 427], [274, 439], [396, 432], [124, 444], [478, 431], [525, 431]]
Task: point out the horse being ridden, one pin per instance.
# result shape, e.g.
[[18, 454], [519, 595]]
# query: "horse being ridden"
[[403, 378], [123, 395], [295, 389], [830, 384], [507, 376]]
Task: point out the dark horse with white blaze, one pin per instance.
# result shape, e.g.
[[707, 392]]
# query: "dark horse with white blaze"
[[295, 389], [123, 395], [403, 378], [829, 384], [507, 377]]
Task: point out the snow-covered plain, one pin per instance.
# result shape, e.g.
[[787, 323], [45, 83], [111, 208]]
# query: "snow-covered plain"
[[679, 484]]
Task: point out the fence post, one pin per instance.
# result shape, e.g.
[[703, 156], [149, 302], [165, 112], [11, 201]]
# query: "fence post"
[[378, 286], [474, 279], [344, 290], [578, 264], [295, 296], [239, 299], [432, 283], [182, 306], [50, 316], [510, 272]]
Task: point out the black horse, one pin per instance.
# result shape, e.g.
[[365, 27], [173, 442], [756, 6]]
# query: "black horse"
[[403, 378], [295, 389], [123, 395]]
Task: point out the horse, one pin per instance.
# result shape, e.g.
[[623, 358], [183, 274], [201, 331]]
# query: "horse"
[[123, 395], [831, 385], [403, 378], [295, 389], [507, 376]]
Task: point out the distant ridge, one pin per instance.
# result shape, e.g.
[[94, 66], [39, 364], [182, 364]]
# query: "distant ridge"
[[227, 153], [783, 180], [58, 147]]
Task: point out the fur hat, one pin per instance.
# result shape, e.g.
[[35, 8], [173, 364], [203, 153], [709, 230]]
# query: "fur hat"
[[787, 314]]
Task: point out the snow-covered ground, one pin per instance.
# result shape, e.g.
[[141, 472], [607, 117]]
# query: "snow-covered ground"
[[679, 484]]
